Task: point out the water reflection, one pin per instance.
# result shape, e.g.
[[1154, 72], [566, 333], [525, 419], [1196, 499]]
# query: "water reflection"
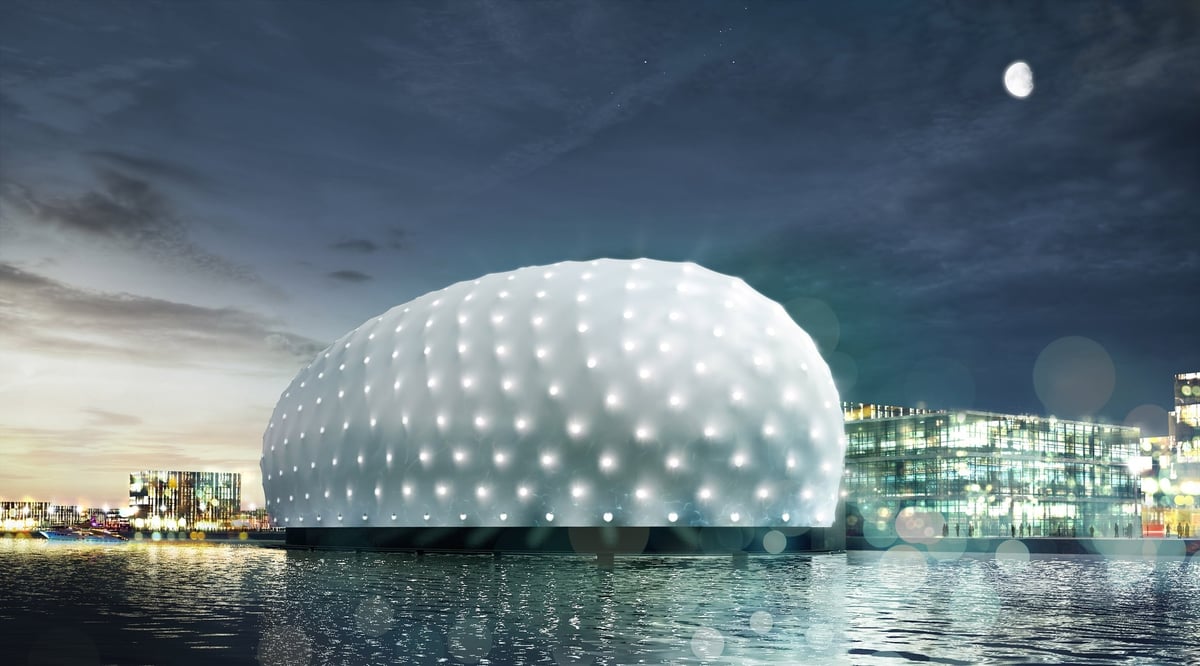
[[207, 603]]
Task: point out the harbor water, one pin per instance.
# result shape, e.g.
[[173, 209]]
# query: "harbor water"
[[209, 603]]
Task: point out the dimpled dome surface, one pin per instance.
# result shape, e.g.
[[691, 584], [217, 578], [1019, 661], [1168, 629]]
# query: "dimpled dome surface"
[[614, 392]]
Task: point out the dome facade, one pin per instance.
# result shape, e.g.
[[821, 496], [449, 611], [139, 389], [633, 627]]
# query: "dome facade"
[[610, 392]]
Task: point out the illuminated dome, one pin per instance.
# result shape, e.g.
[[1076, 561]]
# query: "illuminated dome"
[[638, 393]]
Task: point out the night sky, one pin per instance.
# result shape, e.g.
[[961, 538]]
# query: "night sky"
[[197, 197]]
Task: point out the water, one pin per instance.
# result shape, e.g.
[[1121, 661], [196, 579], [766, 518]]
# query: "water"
[[192, 603]]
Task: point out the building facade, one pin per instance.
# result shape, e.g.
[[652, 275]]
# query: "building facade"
[[170, 499], [25, 515], [991, 474], [1172, 482]]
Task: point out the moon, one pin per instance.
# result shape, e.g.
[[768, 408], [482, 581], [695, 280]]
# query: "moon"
[[1018, 79]]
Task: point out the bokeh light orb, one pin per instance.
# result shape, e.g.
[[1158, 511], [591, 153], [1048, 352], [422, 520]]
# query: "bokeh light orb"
[[638, 393]]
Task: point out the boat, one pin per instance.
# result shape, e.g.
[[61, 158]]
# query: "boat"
[[82, 535]]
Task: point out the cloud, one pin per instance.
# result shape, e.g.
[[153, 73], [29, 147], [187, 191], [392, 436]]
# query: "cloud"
[[349, 276], [102, 418], [46, 316], [149, 167], [125, 211], [356, 245], [49, 94]]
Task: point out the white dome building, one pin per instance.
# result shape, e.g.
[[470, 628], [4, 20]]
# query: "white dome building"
[[625, 393]]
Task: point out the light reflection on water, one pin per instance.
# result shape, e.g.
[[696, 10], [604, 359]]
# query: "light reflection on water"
[[207, 603]]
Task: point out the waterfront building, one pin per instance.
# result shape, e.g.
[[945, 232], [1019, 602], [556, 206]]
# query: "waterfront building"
[[603, 394], [25, 515], [180, 500], [992, 474], [1172, 484]]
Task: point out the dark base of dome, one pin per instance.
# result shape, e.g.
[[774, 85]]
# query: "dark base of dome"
[[674, 540]]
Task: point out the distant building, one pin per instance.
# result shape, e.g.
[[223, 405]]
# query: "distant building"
[[857, 411], [22, 516], [991, 474], [1172, 482], [168, 499]]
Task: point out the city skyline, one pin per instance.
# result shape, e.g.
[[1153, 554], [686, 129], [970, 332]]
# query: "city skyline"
[[194, 202]]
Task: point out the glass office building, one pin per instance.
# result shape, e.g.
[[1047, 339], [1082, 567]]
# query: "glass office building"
[[175, 500], [991, 474], [26, 515]]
